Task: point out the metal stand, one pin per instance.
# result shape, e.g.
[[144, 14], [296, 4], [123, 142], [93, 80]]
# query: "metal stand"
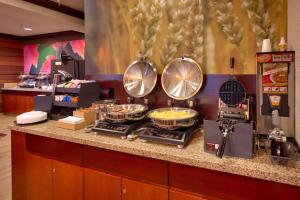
[[130, 100], [171, 102]]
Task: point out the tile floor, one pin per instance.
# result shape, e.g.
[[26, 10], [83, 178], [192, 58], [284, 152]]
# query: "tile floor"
[[5, 167]]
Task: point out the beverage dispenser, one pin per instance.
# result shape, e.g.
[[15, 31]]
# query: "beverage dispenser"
[[276, 92]]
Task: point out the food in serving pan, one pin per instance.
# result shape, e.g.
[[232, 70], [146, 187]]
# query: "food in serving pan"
[[171, 114], [127, 108]]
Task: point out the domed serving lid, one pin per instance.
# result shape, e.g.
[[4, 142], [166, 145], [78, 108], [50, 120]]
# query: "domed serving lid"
[[140, 78], [182, 78]]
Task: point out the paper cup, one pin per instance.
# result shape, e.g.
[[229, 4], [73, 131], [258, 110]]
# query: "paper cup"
[[266, 45]]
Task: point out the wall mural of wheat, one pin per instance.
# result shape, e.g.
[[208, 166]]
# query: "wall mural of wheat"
[[209, 31]]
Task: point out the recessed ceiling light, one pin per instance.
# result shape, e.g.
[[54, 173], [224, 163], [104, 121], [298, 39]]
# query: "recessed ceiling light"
[[27, 29]]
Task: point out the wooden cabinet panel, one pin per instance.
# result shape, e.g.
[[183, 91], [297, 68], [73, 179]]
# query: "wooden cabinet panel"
[[18, 163], [17, 104], [227, 186], [68, 152], [132, 166], [11, 61], [101, 186], [134, 190], [177, 195], [38, 177], [67, 181]]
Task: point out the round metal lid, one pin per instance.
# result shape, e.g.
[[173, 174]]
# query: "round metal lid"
[[232, 92], [139, 78], [182, 78]]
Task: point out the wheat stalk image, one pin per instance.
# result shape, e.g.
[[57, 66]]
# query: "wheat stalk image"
[[176, 30], [228, 22], [138, 15], [195, 34], [153, 22], [124, 4], [260, 21]]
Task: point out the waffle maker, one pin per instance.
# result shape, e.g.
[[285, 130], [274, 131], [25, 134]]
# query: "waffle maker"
[[231, 134]]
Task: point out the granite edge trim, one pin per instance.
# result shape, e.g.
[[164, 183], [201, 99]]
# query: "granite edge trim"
[[262, 175]]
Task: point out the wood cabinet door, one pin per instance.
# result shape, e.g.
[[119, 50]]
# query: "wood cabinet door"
[[18, 143], [17, 104], [38, 177], [134, 190], [101, 186], [177, 195], [67, 181]]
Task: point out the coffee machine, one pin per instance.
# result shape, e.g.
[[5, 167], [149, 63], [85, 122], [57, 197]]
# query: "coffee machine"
[[276, 92], [68, 68]]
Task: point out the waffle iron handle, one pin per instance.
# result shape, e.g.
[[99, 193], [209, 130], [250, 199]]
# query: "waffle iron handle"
[[222, 144], [231, 64]]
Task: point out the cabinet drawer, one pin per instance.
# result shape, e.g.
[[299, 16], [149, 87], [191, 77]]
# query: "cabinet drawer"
[[141, 168], [55, 149]]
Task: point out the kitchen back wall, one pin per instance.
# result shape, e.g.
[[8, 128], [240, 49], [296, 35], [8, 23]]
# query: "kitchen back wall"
[[38, 56], [11, 61], [118, 32]]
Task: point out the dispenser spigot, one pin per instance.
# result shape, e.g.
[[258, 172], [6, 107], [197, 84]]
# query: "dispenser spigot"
[[275, 118]]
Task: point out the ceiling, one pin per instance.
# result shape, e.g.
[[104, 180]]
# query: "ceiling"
[[16, 14], [75, 4]]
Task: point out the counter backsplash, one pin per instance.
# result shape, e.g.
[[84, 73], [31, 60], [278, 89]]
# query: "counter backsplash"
[[206, 99]]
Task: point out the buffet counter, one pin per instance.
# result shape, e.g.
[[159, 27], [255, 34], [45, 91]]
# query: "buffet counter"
[[20, 100], [259, 167], [84, 160]]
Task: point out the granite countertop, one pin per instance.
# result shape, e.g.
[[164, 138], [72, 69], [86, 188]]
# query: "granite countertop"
[[259, 167], [26, 89]]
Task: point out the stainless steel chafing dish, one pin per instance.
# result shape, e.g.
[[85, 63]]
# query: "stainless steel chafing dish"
[[181, 80], [139, 80], [125, 112]]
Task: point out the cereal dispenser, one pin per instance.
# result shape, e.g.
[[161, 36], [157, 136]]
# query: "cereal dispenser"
[[276, 92]]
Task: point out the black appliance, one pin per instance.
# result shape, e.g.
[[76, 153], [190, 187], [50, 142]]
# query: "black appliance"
[[232, 133], [68, 66], [179, 137], [276, 92], [117, 129]]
